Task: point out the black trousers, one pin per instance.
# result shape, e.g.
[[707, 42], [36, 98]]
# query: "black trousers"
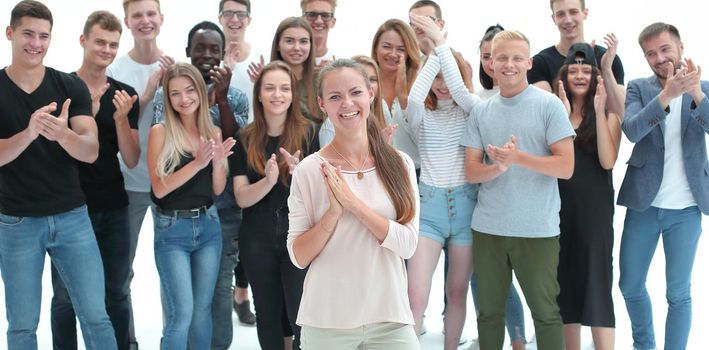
[[276, 284]]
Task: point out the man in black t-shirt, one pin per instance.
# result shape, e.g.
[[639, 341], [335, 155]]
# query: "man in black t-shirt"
[[569, 17], [116, 112], [45, 128]]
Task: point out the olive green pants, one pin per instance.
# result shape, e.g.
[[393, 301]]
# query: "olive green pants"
[[534, 261]]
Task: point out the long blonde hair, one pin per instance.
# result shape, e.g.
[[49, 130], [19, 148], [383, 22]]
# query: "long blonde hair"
[[176, 143], [389, 164]]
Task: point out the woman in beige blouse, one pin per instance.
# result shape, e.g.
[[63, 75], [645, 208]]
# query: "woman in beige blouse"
[[353, 221]]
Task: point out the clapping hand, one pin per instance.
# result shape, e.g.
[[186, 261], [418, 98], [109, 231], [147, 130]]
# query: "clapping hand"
[[291, 160], [271, 170], [561, 92], [54, 128]]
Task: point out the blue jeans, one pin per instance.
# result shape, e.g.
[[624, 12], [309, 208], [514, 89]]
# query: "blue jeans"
[[72, 247], [187, 254], [446, 213], [111, 229], [223, 301], [680, 230], [514, 313]]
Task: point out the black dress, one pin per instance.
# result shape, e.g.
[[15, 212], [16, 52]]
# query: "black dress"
[[585, 271]]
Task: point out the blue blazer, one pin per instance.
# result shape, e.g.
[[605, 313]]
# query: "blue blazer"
[[644, 125]]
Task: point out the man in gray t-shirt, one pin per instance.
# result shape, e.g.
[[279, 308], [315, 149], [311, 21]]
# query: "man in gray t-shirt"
[[517, 144]]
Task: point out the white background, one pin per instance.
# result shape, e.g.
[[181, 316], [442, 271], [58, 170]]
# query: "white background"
[[357, 21]]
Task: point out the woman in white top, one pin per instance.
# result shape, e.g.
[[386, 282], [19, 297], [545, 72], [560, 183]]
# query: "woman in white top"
[[353, 220], [438, 107]]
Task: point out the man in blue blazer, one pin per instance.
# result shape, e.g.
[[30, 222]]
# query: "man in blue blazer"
[[666, 186]]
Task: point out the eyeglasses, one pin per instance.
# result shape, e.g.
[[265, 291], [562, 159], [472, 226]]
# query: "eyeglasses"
[[228, 14], [312, 16]]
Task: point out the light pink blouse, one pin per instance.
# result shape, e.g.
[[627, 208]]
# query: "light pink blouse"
[[355, 280]]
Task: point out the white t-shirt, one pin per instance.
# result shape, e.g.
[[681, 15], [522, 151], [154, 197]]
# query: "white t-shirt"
[[135, 74], [240, 79], [328, 56], [674, 190]]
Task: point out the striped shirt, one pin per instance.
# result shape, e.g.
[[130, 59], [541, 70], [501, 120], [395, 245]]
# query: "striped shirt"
[[438, 131]]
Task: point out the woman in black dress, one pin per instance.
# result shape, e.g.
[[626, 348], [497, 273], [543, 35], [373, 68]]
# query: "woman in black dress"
[[586, 241]]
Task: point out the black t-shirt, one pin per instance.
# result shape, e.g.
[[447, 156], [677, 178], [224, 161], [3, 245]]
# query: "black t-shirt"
[[44, 179], [102, 181], [546, 65], [271, 212], [194, 193]]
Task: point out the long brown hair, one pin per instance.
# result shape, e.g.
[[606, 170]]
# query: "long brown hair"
[[389, 164], [308, 76], [408, 36], [377, 107], [431, 101], [295, 131], [586, 133]]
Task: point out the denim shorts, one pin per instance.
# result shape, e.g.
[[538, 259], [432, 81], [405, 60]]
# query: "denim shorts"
[[446, 213]]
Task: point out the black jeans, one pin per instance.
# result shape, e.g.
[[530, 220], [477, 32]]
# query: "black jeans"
[[276, 284], [111, 229]]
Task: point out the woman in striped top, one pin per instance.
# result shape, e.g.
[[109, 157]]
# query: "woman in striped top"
[[438, 107]]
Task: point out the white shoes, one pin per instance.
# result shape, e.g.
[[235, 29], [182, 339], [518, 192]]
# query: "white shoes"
[[474, 344]]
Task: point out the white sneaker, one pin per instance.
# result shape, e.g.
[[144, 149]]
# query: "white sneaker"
[[474, 344]]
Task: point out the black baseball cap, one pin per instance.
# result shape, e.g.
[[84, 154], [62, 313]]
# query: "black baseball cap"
[[581, 53]]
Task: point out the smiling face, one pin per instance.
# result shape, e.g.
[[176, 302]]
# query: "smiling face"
[[234, 27], [345, 98], [276, 92], [568, 15], [100, 46], [440, 89], [510, 64], [30, 41], [184, 97], [205, 51], [320, 26], [294, 45], [144, 19], [390, 50], [579, 78], [661, 50]]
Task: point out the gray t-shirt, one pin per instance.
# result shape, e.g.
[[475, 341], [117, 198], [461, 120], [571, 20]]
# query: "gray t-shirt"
[[519, 202]]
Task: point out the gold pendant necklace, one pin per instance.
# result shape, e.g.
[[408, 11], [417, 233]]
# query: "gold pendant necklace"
[[360, 174]]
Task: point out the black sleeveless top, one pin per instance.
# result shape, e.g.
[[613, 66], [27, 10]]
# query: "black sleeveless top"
[[194, 193]]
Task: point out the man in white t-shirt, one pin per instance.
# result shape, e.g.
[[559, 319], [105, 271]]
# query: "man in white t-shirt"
[[142, 68], [235, 17], [666, 187], [320, 14]]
